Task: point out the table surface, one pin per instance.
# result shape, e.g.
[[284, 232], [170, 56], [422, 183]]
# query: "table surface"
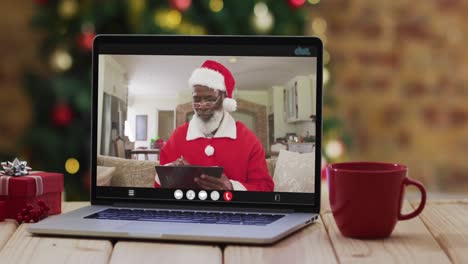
[[438, 235]]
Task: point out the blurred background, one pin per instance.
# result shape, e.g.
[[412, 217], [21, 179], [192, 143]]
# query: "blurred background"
[[395, 77]]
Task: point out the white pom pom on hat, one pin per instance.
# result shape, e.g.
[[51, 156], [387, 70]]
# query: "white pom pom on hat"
[[229, 104], [214, 75]]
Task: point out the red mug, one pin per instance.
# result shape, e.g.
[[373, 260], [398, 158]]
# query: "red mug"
[[366, 197]]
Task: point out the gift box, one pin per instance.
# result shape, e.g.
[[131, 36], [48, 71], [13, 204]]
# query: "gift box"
[[2, 210], [18, 191]]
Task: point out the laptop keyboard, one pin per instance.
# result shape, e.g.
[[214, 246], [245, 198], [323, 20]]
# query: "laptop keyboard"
[[186, 217]]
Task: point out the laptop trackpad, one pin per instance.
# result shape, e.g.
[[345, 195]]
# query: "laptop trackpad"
[[152, 229]]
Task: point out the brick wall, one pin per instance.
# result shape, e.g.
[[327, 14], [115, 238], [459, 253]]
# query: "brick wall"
[[399, 72]]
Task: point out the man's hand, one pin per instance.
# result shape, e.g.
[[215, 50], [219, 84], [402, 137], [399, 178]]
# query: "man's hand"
[[179, 162], [212, 183]]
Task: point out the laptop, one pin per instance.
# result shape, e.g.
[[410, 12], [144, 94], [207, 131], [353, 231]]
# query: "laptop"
[[140, 90]]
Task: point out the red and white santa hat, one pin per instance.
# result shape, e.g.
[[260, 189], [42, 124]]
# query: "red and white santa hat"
[[215, 76]]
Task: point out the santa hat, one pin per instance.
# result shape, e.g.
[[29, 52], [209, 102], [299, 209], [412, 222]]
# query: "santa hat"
[[215, 76]]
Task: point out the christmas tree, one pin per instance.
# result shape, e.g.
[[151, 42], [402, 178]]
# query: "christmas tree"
[[58, 139]]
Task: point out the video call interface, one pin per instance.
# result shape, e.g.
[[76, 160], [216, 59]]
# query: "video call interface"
[[166, 125]]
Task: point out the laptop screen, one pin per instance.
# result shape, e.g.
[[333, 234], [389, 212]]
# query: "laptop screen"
[[250, 105]]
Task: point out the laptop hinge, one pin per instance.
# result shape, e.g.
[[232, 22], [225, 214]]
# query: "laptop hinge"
[[201, 208]]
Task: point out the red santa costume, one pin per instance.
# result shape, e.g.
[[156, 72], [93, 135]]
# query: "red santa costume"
[[233, 146]]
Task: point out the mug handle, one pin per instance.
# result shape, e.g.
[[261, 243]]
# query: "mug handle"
[[408, 181]]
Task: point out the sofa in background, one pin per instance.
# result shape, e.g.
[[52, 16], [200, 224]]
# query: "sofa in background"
[[127, 172], [292, 173], [135, 173]]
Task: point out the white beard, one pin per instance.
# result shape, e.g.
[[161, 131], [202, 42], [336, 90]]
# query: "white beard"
[[211, 125]]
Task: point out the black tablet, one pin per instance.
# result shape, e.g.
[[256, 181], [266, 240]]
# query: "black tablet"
[[182, 177]]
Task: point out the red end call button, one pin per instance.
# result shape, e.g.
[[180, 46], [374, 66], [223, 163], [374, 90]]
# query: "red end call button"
[[227, 196]]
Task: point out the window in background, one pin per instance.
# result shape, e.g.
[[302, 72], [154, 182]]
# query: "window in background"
[[141, 127]]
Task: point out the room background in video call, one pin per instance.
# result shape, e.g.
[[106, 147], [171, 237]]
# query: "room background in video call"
[[142, 98]]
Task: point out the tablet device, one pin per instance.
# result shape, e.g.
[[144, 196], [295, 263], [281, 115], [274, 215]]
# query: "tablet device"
[[182, 177]]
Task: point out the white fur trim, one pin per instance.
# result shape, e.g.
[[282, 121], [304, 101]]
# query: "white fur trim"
[[237, 186], [227, 128], [229, 105], [207, 77]]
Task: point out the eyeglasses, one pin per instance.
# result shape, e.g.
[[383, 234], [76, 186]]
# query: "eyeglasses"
[[206, 103]]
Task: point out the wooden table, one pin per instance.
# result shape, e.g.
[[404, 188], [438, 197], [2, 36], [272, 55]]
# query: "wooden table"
[[439, 235]]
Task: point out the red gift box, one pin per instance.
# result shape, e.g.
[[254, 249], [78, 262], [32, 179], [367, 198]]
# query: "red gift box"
[[17, 192], [2, 210]]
